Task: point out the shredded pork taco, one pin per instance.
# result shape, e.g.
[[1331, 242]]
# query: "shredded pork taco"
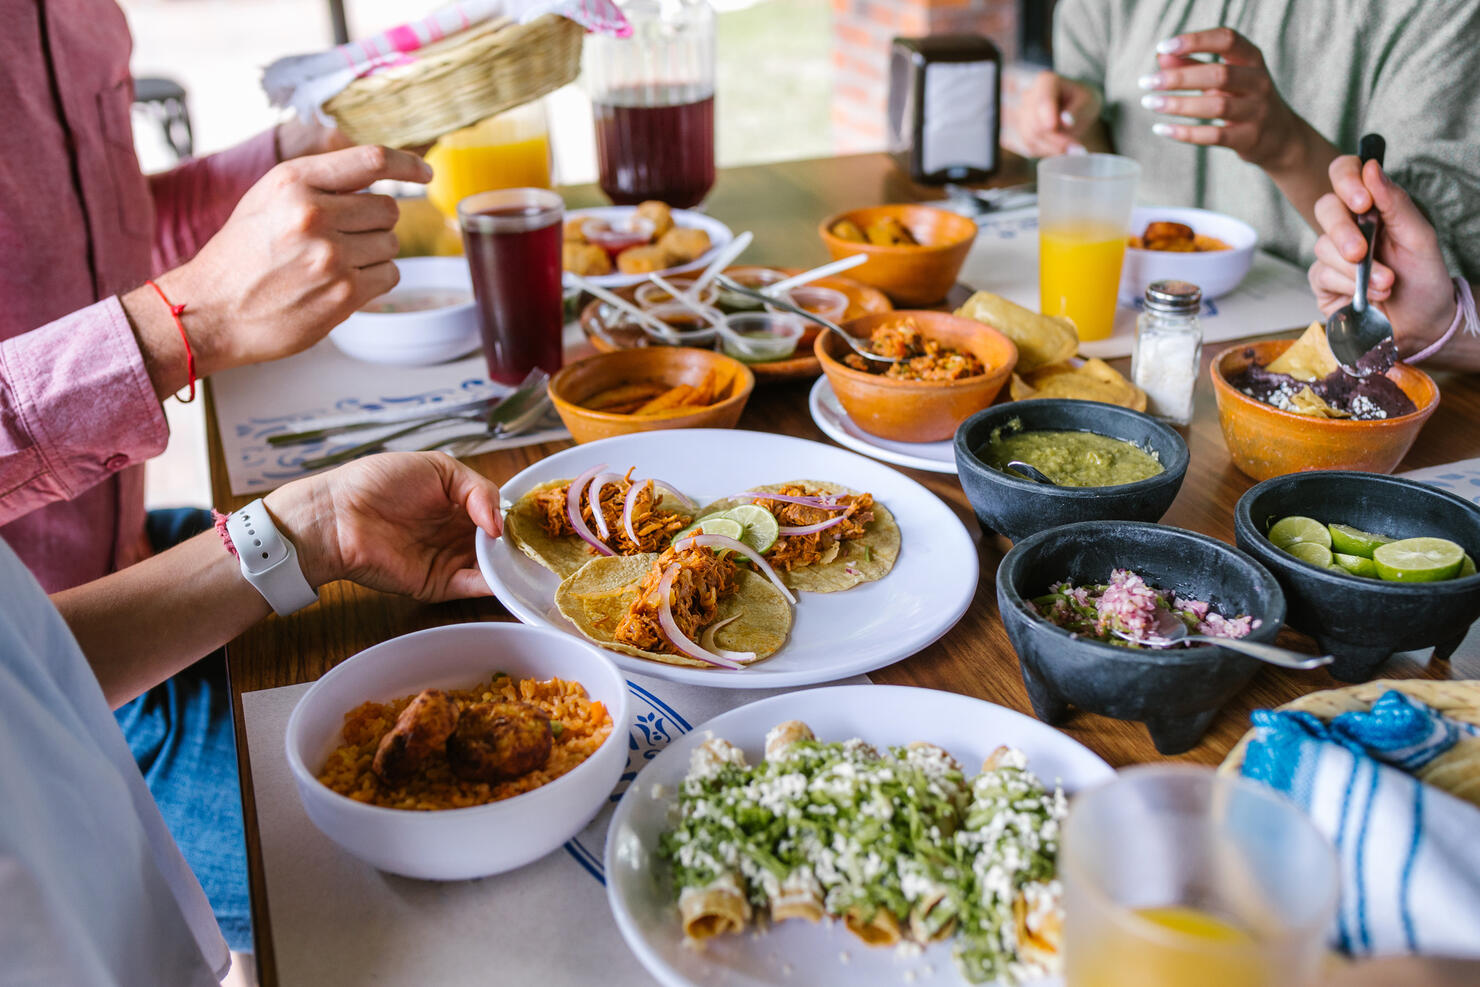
[[713, 607], [854, 539], [541, 526]]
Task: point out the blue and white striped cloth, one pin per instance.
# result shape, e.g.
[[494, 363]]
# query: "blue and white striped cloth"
[[1409, 853]]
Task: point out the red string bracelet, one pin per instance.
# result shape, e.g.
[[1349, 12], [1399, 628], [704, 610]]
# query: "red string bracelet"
[[175, 312]]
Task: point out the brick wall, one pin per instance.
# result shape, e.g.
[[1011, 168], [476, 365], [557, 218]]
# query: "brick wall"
[[862, 30]]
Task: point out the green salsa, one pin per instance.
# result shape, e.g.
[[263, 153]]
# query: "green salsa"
[[1071, 459]]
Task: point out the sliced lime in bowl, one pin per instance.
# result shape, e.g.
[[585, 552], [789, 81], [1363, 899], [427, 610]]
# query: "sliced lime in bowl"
[[1309, 551], [1419, 560], [1357, 565], [1354, 541], [1298, 530]]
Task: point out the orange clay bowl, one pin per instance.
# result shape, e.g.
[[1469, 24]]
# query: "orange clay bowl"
[[667, 365], [1264, 441], [918, 275], [917, 410]]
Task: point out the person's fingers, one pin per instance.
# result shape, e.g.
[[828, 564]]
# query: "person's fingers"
[[376, 280], [1346, 181], [1201, 133], [1207, 106], [1379, 283], [1332, 288], [1204, 75], [358, 212], [355, 168], [1046, 103], [1224, 41], [466, 583], [1174, 61], [368, 249], [471, 491], [1401, 218], [1345, 240]]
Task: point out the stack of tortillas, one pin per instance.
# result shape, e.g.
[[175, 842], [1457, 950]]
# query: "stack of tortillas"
[[1046, 346], [1456, 771]]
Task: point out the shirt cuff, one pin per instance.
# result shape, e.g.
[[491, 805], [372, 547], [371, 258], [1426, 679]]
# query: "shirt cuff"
[[83, 394]]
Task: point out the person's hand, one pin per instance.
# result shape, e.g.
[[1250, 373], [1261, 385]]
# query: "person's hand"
[[1054, 116], [1410, 282], [401, 522], [301, 251], [298, 137], [1234, 95]]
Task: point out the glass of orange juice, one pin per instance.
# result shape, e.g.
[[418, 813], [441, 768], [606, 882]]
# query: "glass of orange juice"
[[1084, 213], [511, 150], [1174, 875]]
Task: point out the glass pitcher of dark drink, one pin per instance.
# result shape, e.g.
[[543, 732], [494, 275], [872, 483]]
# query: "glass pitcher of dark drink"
[[652, 96]]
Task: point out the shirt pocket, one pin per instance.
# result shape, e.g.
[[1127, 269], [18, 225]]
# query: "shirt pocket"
[[132, 200]]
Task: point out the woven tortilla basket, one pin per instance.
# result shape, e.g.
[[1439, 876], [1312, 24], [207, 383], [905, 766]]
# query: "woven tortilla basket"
[[460, 81], [1457, 771]]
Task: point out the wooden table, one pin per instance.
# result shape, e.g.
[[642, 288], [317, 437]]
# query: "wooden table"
[[782, 204]]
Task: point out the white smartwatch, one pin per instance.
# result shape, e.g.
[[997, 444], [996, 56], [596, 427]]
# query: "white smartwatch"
[[269, 561]]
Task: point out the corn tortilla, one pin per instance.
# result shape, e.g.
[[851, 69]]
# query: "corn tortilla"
[[562, 555]]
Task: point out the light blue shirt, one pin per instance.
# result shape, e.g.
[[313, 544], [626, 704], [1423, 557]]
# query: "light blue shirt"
[[93, 891]]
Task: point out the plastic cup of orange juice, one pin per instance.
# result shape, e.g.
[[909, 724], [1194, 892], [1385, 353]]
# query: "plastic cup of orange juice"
[[1084, 213], [510, 150], [1174, 875]]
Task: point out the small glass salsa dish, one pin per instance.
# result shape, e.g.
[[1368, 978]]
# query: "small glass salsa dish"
[[754, 278], [828, 303], [650, 295], [760, 337], [690, 328]]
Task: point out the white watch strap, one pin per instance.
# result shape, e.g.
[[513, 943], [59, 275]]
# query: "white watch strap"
[[269, 561]]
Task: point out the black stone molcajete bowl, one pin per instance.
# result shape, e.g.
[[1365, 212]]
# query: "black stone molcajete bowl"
[[1017, 507], [1363, 621], [1176, 692]]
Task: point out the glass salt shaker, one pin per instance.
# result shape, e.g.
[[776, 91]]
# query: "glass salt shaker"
[[1164, 362]]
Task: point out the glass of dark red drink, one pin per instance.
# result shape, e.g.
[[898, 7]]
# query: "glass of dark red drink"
[[512, 241]]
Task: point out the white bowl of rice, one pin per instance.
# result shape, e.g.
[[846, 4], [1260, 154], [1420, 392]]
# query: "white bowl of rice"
[[429, 826]]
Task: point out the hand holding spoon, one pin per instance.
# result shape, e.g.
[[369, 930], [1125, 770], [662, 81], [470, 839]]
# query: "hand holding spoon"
[[1356, 329]]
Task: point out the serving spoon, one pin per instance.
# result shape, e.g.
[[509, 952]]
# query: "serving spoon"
[[1356, 329], [786, 306], [1171, 630], [1029, 471]]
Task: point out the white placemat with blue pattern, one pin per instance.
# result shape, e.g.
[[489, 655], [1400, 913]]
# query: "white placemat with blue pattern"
[[1273, 296], [338, 921], [1460, 478], [257, 401]]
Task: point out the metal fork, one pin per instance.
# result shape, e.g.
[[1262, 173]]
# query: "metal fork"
[[782, 303], [521, 423], [521, 401]]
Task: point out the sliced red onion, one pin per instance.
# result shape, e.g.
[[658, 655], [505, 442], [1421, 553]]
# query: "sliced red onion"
[[707, 641], [815, 502], [683, 501], [632, 491], [722, 541], [598, 482], [573, 510], [808, 529], [676, 636]]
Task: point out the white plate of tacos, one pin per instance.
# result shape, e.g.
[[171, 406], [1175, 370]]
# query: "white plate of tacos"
[[863, 567], [642, 883]]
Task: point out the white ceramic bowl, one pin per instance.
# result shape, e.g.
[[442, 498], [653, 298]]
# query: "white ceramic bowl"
[[1216, 272], [457, 844], [416, 338]]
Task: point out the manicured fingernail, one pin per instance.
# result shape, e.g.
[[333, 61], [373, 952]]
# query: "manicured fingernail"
[[1152, 101], [1066, 118], [1152, 81], [1075, 150], [1161, 129], [1169, 47]]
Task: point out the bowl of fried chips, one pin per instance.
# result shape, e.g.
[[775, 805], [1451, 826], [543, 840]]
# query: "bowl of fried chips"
[[648, 389], [1209, 249], [914, 252]]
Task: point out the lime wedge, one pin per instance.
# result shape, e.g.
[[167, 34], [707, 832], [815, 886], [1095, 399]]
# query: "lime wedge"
[[1309, 551], [1419, 560], [1357, 565], [1466, 569], [1355, 541], [1296, 530], [761, 529], [714, 524]]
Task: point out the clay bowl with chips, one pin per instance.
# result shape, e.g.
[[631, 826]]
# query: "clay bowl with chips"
[[1364, 621], [918, 273], [917, 410], [1216, 257], [1265, 441], [647, 390], [1018, 507], [1175, 692]]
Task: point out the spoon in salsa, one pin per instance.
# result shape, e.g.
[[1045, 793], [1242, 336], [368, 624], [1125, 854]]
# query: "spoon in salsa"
[[1171, 631], [785, 305], [1355, 330], [1029, 471]]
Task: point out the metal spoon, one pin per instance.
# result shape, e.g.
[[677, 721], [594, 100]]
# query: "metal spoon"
[[1172, 631], [1354, 330], [786, 306], [1029, 471]]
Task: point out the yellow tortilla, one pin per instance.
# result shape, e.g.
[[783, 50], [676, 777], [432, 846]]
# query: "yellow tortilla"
[[596, 597], [861, 560], [1308, 358], [1040, 339], [1095, 380], [562, 555]]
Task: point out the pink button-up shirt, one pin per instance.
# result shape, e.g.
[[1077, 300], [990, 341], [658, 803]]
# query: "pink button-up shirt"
[[79, 224]]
